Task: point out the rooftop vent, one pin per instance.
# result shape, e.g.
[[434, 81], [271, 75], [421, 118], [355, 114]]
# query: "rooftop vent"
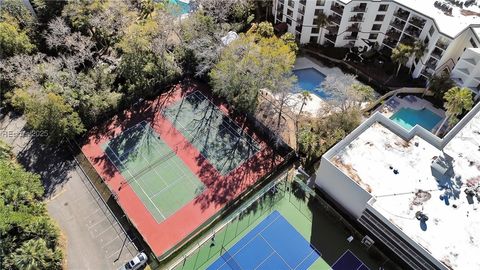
[[441, 165]]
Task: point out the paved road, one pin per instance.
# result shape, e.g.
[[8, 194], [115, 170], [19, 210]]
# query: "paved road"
[[94, 239]]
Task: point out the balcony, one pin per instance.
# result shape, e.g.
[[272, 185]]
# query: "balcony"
[[391, 43], [360, 8], [442, 44], [418, 22], [393, 34], [303, 2], [333, 29], [332, 38], [407, 40], [354, 28], [431, 63], [352, 36], [402, 14], [399, 24], [470, 61], [356, 18], [413, 31], [335, 19], [437, 53], [337, 8]]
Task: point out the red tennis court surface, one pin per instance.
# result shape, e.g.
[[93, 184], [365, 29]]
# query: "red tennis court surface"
[[219, 190]]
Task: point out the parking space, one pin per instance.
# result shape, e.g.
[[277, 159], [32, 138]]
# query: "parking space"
[[95, 239]]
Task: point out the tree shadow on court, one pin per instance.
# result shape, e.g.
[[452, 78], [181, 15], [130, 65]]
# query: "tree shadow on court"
[[52, 163]]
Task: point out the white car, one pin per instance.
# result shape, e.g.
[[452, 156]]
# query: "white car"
[[136, 262]]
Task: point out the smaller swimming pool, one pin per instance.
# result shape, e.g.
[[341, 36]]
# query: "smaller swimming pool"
[[408, 118], [310, 79]]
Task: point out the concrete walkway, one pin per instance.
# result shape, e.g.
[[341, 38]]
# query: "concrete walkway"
[[95, 240]]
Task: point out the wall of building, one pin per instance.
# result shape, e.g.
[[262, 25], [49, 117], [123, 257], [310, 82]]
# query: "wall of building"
[[434, 60], [342, 189]]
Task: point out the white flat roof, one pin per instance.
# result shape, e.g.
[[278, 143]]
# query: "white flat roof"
[[448, 25], [452, 233]]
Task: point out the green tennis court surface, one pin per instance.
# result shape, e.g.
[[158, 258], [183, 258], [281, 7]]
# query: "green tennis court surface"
[[215, 135], [159, 178]]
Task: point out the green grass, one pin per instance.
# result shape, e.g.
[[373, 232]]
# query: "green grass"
[[159, 177]]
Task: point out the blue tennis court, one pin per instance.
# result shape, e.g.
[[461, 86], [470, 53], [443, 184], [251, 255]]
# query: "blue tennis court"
[[348, 261], [273, 244]]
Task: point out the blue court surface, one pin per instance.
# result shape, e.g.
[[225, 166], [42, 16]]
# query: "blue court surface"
[[348, 261], [274, 244]]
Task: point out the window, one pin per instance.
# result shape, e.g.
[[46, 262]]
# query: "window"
[[289, 21], [320, 2], [315, 30], [318, 11], [379, 18], [313, 39], [373, 36], [474, 44], [289, 12], [383, 7], [376, 27], [431, 30], [426, 41]]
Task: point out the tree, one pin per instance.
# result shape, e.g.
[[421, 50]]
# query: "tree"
[[249, 64], [105, 20], [322, 22], [201, 39], [418, 50], [316, 135], [457, 100], [148, 59], [34, 254], [401, 54], [346, 92], [73, 47], [304, 97], [29, 236], [439, 84], [224, 10], [13, 40], [49, 113]]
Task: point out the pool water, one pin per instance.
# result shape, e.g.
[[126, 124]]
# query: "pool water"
[[310, 79], [408, 118], [184, 8]]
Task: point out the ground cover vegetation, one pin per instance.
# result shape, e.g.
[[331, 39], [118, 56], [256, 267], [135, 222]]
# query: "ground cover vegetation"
[[29, 238]]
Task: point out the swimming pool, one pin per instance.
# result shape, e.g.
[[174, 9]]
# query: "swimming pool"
[[184, 8], [408, 118], [310, 79]]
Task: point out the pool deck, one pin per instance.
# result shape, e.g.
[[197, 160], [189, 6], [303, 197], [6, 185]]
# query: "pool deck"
[[394, 104], [316, 104]]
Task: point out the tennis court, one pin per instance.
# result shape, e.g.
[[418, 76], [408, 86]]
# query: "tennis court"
[[218, 138], [348, 261], [273, 244], [153, 170]]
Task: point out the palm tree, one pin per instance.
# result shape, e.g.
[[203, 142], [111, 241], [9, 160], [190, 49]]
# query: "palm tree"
[[439, 84], [401, 54], [304, 97], [456, 101], [322, 22], [34, 254], [418, 50]]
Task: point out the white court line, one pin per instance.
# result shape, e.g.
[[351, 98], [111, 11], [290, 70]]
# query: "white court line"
[[260, 264], [253, 238], [135, 181], [274, 250]]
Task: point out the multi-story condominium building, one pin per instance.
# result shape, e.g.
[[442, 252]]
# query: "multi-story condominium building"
[[450, 30], [416, 193]]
